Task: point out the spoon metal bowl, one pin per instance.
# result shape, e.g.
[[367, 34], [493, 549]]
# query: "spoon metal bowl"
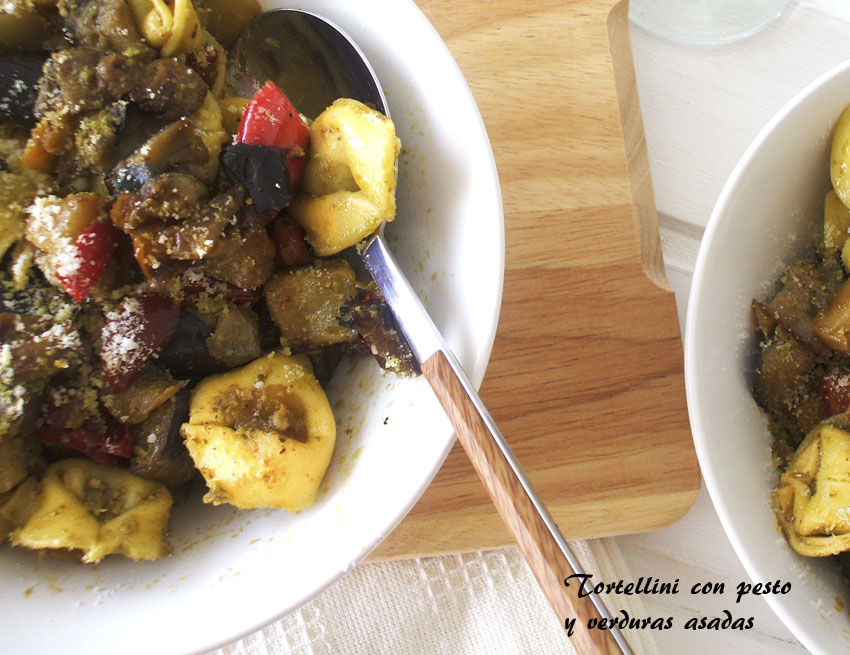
[[331, 66]]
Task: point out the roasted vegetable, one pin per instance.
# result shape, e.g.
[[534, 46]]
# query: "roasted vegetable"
[[133, 333], [185, 353], [832, 323], [236, 338], [103, 445], [35, 348], [158, 451], [270, 119], [290, 243], [306, 302], [19, 76], [262, 435], [148, 390], [262, 171], [85, 261], [177, 146], [371, 317]]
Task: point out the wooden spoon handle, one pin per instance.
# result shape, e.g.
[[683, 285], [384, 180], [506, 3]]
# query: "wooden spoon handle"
[[533, 529]]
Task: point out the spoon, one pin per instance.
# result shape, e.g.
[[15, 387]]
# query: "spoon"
[[330, 66]]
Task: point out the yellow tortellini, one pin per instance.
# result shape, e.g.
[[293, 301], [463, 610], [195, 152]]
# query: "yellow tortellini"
[[262, 435], [349, 181], [207, 120], [80, 505], [175, 29], [812, 501]]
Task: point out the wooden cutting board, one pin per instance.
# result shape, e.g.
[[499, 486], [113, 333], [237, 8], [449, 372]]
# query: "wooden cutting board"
[[586, 376]]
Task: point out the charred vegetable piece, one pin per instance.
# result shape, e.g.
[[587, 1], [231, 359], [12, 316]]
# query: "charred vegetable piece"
[[236, 338], [158, 451], [105, 446], [106, 25], [832, 323], [185, 353], [83, 264], [18, 458], [373, 320], [271, 120], [149, 389], [133, 333], [35, 348], [306, 303], [262, 171], [290, 243], [19, 76], [96, 138], [177, 144], [194, 283], [835, 390], [798, 301], [244, 256]]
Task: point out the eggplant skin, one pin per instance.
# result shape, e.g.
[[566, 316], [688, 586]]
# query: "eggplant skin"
[[263, 172], [19, 79], [158, 451]]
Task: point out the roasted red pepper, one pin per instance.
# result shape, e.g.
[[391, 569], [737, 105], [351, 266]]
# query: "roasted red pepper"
[[271, 120], [196, 284], [290, 243], [103, 446], [83, 263], [835, 390], [133, 333]]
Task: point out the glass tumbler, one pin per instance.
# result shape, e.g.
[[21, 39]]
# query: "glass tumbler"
[[704, 22]]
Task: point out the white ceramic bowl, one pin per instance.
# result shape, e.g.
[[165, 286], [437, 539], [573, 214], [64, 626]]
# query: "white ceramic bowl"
[[233, 572], [766, 215]]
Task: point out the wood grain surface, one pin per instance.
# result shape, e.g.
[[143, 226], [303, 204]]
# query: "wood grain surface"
[[586, 375], [548, 561]]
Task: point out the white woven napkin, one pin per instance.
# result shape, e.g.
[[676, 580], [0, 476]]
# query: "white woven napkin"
[[484, 602]]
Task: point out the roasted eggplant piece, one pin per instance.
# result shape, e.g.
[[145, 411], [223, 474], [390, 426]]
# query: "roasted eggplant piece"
[[151, 388], [263, 172], [371, 317], [175, 146], [158, 451], [37, 348], [19, 76], [306, 302], [185, 354], [236, 338], [96, 137]]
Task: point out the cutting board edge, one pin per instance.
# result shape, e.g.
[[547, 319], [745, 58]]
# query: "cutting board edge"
[[644, 210], [667, 511]]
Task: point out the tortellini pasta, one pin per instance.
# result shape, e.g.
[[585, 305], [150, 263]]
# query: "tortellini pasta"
[[262, 435], [349, 181], [207, 121], [812, 502], [98, 510], [175, 29]]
